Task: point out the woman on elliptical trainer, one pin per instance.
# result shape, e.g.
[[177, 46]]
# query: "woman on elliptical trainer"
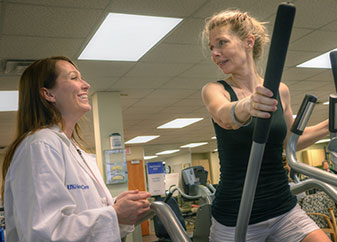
[[236, 41]]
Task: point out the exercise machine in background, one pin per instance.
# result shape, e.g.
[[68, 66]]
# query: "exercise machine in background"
[[195, 189]]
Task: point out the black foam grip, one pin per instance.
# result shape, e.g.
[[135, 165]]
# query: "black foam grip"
[[297, 125], [332, 113], [333, 61], [276, 59], [168, 197]]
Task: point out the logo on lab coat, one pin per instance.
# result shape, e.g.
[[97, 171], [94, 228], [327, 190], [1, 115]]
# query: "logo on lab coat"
[[77, 186]]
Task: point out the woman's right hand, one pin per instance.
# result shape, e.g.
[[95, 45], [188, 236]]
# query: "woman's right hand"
[[262, 103], [131, 206]]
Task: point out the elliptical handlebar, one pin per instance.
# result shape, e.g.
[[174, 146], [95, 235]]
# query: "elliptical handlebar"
[[202, 189], [297, 130], [314, 183], [170, 221]]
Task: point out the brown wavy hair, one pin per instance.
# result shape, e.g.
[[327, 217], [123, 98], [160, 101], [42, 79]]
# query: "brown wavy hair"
[[34, 111]]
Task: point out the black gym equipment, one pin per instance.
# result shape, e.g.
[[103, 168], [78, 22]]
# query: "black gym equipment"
[[276, 59]]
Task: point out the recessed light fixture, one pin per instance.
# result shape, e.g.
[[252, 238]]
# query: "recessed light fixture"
[[214, 137], [9, 101], [321, 61], [167, 152], [326, 103], [141, 139], [127, 37], [192, 145], [179, 123], [150, 157]]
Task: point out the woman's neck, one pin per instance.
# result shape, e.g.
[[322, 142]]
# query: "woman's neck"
[[247, 80], [246, 77], [68, 127]]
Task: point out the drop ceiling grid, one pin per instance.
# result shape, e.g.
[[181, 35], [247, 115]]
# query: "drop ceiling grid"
[[171, 75], [261, 9], [49, 21], [140, 82], [97, 4], [315, 42], [172, 8], [24, 47], [314, 14]]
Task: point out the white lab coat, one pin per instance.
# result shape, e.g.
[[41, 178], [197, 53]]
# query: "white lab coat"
[[51, 195]]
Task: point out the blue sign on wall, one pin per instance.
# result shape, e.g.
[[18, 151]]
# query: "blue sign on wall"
[[155, 167]]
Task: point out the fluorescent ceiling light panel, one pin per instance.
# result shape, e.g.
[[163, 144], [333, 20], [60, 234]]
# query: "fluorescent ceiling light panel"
[[192, 145], [150, 157], [322, 61], [179, 123], [9, 101], [141, 139], [126, 37], [167, 152]]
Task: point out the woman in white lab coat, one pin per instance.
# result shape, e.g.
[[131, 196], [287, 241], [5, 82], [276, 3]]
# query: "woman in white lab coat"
[[52, 188]]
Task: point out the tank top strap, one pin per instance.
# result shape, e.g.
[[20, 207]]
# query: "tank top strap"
[[230, 90]]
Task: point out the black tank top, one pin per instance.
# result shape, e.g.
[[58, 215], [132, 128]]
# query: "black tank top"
[[273, 196]]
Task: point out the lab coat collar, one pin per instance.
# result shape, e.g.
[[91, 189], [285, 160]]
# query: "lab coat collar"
[[59, 132]]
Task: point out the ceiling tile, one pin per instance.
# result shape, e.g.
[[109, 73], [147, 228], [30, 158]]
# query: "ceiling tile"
[[157, 70], [145, 109], [174, 53], [99, 84], [127, 93], [91, 69], [331, 26], [178, 110], [260, 9], [156, 102], [191, 102], [185, 83], [206, 70], [9, 82], [97, 4], [139, 82], [325, 76], [300, 73], [170, 93], [49, 21], [17, 47], [314, 13], [128, 102], [172, 8], [315, 42], [189, 32], [298, 33], [295, 58]]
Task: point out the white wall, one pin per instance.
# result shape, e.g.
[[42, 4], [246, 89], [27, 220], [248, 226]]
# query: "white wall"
[[179, 162]]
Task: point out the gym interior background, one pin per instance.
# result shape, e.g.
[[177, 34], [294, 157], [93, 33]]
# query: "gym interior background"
[[166, 82]]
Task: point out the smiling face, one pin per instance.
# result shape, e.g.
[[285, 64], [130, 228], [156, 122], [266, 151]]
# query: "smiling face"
[[70, 94], [326, 166], [229, 52]]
